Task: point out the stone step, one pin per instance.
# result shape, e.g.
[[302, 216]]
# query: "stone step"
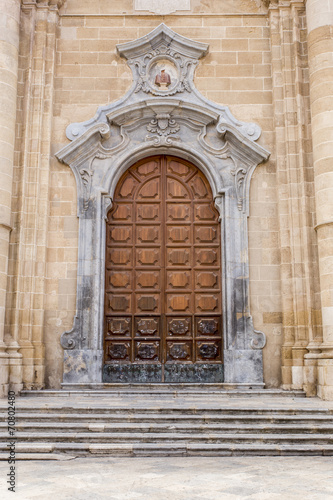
[[267, 427], [136, 415], [163, 407], [31, 450], [115, 424], [118, 437], [298, 419], [197, 390], [37, 456]]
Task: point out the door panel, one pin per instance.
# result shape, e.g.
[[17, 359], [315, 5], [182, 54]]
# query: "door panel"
[[163, 287]]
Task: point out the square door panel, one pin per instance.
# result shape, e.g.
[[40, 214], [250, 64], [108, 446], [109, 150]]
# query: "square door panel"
[[207, 302], [120, 235], [178, 257], [208, 326], [147, 351], [118, 351], [207, 257], [205, 279], [119, 327], [147, 280], [178, 303], [148, 302], [179, 327], [148, 257], [178, 234], [179, 351], [119, 257], [118, 279], [147, 212], [150, 235], [147, 327], [208, 351], [179, 279], [118, 303], [206, 234], [178, 212]]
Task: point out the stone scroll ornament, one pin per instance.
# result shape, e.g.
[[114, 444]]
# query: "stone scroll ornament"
[[163, 113]]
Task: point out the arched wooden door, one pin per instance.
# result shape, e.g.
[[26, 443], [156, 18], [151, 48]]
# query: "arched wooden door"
[[163, 277]]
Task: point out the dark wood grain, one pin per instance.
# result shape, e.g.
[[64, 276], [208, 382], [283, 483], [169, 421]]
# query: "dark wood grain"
[[163, 267]]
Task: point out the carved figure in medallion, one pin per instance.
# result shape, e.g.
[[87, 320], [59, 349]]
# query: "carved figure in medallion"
[[163, 80]]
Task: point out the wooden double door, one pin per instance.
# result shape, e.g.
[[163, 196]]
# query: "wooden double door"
[[163, 277]]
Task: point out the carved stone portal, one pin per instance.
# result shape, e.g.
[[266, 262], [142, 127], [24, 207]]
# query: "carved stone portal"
[[163, 115]]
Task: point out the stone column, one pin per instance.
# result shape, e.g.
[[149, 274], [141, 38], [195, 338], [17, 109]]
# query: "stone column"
[[320, 48], [9, 44]]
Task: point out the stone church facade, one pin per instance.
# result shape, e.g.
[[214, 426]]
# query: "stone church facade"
[[167, 193]]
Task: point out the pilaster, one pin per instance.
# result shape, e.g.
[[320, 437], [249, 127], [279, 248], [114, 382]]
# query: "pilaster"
[[320, 46], [31, 190], [299, 259], [9, 44]]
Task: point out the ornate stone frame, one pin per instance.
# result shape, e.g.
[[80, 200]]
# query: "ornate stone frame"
[[145, 122]]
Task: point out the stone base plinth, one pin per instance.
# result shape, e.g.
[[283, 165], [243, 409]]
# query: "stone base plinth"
[[82, 366], [4, 370], [325, 379], [243, 366]]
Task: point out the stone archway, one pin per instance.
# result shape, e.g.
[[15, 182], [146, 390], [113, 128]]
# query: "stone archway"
[[175, 120]]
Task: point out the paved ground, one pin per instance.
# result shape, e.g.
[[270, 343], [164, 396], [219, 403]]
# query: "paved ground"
[[256, 478]]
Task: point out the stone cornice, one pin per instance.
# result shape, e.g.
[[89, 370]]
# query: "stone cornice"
[[275, 4], [54, 4]]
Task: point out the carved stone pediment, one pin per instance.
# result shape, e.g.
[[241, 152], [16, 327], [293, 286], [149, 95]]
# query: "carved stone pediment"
[[163, 113], [163, 52]]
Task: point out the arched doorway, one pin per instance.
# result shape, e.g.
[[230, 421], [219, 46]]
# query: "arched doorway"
[[163, 319]]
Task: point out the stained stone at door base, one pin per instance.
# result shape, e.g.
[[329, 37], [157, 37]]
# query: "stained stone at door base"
[[205, 373], [135, 372], [173, 373]]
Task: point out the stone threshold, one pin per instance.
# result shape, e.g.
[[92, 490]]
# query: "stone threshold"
[[223, 389]]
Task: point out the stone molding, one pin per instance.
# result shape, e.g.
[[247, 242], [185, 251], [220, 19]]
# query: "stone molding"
[[183, 124], [161, 7], [54, 4]]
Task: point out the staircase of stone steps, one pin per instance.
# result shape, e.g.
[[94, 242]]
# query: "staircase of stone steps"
[[161, 422]]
